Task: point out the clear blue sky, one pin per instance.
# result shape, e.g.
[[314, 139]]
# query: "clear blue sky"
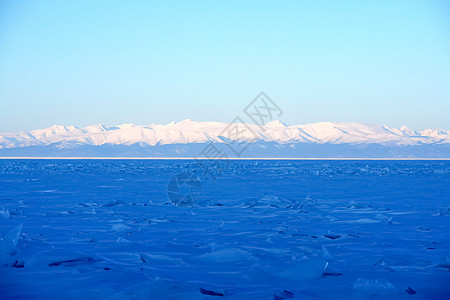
[[112, 62]]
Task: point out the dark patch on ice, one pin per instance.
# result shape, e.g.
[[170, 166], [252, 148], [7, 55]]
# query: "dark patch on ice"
[[15, 212], [285, 294], [18, 264], [445, 265], [73, 262], [297, 234], [332, 236], [332, 274], [424, 229], [210, 293], [410, 291], [88, 204]]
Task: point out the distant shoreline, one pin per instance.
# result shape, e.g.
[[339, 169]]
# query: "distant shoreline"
[[204, 158]]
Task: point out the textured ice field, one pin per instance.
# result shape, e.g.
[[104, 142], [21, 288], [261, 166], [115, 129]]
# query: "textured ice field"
[[106, 229]]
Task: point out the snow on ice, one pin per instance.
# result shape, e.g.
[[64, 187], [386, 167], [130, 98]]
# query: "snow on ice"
[[103, 229]]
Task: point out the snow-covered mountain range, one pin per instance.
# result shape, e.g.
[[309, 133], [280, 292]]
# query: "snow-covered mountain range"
[[188, 132]]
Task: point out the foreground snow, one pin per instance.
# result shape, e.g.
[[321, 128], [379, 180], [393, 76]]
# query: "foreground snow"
[[263, 230]]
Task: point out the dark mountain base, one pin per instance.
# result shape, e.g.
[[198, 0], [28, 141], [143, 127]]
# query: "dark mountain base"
[[261, 150]]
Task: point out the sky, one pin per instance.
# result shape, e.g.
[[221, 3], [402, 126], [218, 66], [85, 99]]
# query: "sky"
[[142, 62]]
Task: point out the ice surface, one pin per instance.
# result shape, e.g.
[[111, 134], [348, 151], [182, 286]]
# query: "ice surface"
[[374, 289], [103, 229], [226, 256], [307, 269], [8, 244]]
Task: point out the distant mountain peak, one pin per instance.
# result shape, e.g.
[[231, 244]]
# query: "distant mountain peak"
[[125, 125], [275, 123]]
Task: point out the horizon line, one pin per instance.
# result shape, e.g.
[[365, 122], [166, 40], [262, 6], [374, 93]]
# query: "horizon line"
[[229, 158]]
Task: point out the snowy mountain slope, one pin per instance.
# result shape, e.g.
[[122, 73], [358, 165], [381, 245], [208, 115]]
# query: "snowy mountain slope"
[[188, 132]]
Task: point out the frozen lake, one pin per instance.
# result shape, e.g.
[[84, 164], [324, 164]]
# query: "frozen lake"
[[264, 229]]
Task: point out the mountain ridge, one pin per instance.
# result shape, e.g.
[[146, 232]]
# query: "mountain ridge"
[[273, 135], [188, 131]]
